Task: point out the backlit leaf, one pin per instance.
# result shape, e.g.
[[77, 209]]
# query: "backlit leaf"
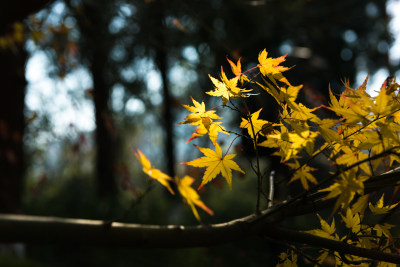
[[379, 208], [216, 163], [155, 174], [190, 195]]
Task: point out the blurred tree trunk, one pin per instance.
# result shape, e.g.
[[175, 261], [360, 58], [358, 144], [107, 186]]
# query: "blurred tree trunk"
[[12, 101], [161, 58], [96, 44], [162, 64], [12, 125], [105, 135]]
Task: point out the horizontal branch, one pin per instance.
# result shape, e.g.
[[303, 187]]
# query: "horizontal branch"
[[52, 230], [319, 242]]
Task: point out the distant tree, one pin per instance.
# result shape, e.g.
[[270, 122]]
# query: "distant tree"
[[13, 59], [96, 42]]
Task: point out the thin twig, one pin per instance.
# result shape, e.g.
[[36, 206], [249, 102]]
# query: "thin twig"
[[133, 205], [259, 178], [271, 189]]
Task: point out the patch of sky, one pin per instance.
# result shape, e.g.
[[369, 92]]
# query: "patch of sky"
[[117, 97], [393, 9], [190, 54], [181, 78], [374, 82], [116, 24], [118, 52], [346, 54], [129, 74], [286, 48], [134, 106], [127, 10], [70, 22], [153, 82], [378, 78], [152, 139], [62, 98], [350, 36], [371, 10], [57, 12]]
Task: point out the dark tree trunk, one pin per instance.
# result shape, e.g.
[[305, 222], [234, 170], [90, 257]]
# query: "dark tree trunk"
[[96, 48], [12, 125], [105, 135], [162, 63], [167, 113], [12, 103]]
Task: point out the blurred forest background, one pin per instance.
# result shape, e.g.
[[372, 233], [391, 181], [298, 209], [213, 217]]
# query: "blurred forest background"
[[83, 82]]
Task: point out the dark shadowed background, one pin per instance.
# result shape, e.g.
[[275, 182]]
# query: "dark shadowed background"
[[84, 82]]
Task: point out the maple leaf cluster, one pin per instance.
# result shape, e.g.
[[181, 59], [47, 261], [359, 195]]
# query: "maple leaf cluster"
[[361, 232], [360, 141], [189, 195], [207, 122]]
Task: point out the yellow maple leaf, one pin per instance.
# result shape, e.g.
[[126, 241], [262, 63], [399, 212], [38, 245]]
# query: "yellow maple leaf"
[[360, 205], [303, 174], [379, 208], [325, 129], [237, 70], [270, 67], [255, 124], [352, 221], [347, 107], [381, 105], [351, 157], [190, 195], [226, 88], [204, 119], [287, 260], [283, 95], [155, 174], [199, 114], [216, 163], [289, 143], [301, 112], [326, 231], [298, 141], [289, 94], [346, 188], [212, 130], [383, 229]]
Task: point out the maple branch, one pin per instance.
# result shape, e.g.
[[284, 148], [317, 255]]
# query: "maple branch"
[[258, 172], [271, 189], [341, 247], [376, 181], [52, 230], [308, 202]]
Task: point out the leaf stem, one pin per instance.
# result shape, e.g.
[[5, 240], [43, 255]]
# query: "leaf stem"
[[258, 172], [271, 189]]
